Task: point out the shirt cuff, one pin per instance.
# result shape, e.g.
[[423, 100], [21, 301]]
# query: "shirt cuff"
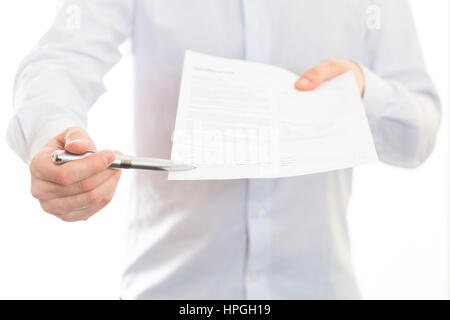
[[377, 93], [46, 129]]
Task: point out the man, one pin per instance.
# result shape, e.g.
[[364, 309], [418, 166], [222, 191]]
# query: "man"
[[256, 238]]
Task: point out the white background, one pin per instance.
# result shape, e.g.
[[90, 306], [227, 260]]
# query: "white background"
[[398, 217]]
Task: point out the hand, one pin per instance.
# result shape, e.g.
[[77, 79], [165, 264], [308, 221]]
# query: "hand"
[[329, 69], [75, 190]]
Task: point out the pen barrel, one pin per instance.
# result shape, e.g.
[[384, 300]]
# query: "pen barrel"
[[121, 162], [62, 156], [125, 162]]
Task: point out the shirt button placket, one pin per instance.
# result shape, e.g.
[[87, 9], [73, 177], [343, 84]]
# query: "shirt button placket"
[[256, 47], [256, 35], [259, 237]]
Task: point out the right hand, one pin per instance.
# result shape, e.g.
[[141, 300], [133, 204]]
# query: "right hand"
[[75, 190]]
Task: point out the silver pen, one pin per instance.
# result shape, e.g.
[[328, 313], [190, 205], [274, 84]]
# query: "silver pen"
[[126, 162]]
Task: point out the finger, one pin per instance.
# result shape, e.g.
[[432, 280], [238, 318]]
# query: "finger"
[[77, 170], [97, 197], [324, 71], [46, 190], [77, 140], [82, 214]]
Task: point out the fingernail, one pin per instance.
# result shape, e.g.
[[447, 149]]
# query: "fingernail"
[[303, 82], [73, 141]]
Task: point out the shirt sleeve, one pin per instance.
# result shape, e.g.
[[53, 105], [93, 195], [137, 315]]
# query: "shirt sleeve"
[[62, 77], [401, 103]]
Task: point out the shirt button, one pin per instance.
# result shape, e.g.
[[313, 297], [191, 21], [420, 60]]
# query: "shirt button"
[[260, 212], [255, 276]]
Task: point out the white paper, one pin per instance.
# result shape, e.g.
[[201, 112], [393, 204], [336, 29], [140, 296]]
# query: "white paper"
[[241, 119]]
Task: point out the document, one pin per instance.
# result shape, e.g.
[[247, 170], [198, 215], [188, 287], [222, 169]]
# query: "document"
[[241, 119]]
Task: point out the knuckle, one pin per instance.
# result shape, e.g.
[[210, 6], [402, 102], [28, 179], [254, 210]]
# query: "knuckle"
[[35, 193], [105, 201], [34, 165], [64, 177], [99, 162], [313, 73], [93, 197], [96, 163], [47, 207], [86, 185]]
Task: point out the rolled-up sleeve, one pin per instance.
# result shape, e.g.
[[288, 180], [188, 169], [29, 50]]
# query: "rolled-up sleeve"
[[62, 77], [401, 102]]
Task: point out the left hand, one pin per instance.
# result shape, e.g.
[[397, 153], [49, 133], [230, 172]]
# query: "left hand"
[[329, 69]]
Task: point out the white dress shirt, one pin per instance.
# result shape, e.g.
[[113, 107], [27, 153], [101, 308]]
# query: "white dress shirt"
[[243, 239]]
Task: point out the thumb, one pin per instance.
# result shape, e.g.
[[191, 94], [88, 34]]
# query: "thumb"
[[322, 72], [77, 140]]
